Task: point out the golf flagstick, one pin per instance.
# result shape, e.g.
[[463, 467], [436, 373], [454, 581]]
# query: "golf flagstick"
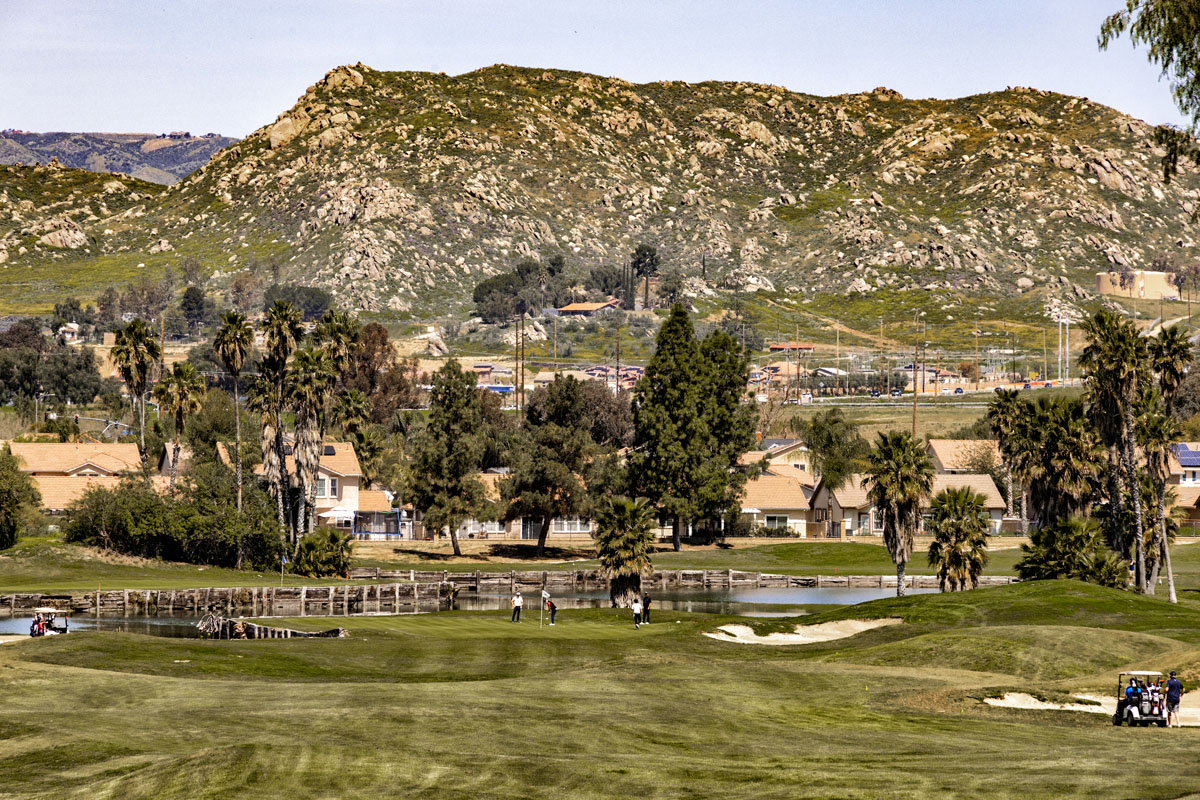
[[542, 613]]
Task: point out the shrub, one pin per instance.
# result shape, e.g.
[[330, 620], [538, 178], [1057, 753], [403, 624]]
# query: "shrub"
[[324, 552], [1072, 548], [200, 525]]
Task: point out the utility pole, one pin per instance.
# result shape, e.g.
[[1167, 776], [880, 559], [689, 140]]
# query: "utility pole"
[[977, 352], [837, 360], [618, 357], [1067, 348], [916, 344], [1044, 370], [556, 345]]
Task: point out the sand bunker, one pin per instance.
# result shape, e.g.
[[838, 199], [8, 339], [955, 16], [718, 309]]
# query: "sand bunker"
[[6, 639], [805, 634], [1031, 703], [1189, 707]]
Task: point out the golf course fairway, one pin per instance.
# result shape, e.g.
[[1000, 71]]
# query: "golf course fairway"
[[469, 705]]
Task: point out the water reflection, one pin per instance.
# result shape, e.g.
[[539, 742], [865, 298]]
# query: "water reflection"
[[743, 601]]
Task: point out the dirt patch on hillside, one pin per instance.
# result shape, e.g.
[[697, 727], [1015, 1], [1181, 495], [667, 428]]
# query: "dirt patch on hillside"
[[804, 634]]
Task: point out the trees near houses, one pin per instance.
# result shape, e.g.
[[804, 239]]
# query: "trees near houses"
[[232, 344], [135, 352], [690, 425], [178, 394], [899, 478], [444, 454], [550, 455], [1115, 363], [1071, 548], [959, 526], [624, 541], [838, 451], [18, 497]]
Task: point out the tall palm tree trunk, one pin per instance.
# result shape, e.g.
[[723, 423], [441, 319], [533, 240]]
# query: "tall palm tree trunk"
[[1024, 512], [237, 422], [1009, 493], [1166, 559], [174, 462], [900, 567], [1134, 491]]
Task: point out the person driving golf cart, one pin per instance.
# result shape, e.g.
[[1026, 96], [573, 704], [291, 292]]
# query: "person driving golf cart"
[[1139, 703]]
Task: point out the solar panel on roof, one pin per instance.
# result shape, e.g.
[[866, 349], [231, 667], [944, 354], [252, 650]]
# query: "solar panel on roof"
[[328, 451]]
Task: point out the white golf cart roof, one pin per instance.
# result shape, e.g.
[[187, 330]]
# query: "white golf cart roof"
[[47, 610], [1140, 672]]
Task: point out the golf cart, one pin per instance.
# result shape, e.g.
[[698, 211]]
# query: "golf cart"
[[47, 616], [1146, 707]]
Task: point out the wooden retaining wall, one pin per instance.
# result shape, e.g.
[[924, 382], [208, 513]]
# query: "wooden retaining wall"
[[584, 580], [328, 599]]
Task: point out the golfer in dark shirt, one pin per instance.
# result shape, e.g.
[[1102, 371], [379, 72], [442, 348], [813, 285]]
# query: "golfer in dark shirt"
[[1174, 694], [646, 609]]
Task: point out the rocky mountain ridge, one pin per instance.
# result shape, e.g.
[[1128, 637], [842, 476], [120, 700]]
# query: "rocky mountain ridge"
[[163, 158], [399, 191]]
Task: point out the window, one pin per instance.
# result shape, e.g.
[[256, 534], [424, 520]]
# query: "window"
[[821, 514], [775, 522], [327, 487]]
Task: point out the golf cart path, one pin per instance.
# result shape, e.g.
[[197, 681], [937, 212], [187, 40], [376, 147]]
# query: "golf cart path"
[[805, 634], [1189, 707]]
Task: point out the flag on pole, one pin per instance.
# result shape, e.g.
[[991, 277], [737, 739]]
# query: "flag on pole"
[[545, 595]]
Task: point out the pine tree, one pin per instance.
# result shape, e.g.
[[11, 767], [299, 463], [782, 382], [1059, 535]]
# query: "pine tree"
[[550, 455], [670, 426], [445, 453]]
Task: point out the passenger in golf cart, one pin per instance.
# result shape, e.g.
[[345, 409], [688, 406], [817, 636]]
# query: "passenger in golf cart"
[[1141, 701], [42, 623]]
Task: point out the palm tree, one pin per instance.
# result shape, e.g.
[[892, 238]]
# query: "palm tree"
[[1057, 453], [1003, 415], [284, 329], [310, 380], [178, 393], [1115, 361], [960, 529], [232, 344], [1156, 432], [337, 333], [134, 353], [899, 478], [351, 411], [1170, 355], [624, 538], [260, 398], [837, 451]]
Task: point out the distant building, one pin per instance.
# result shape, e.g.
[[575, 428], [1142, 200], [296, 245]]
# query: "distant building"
[[65, 472], [588, 309], [960, 456], [1139, 283]]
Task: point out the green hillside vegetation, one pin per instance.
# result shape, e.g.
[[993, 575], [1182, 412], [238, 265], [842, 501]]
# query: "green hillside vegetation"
[[467, 704]]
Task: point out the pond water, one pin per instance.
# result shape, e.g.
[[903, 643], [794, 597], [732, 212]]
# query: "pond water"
[[744, 601]]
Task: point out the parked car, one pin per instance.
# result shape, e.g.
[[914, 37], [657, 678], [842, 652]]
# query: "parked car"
[[1027, 386], [896, 392], [958, 390], [874, 393]]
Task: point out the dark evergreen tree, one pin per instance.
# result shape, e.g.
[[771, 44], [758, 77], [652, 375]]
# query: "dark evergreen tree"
[[670, 426], [445, 453], [644, 263]]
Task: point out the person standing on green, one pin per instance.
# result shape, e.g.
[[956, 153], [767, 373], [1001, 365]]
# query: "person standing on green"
[[646, 608], [517, 602], [636, 606]]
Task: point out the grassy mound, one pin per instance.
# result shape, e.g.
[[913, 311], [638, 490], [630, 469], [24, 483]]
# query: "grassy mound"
[[1030, 652]]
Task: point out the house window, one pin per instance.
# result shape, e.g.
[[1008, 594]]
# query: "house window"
[[821, 514], [327, 487], [775, 522]]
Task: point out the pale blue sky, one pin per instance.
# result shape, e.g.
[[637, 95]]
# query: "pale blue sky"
[[230, 67]]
